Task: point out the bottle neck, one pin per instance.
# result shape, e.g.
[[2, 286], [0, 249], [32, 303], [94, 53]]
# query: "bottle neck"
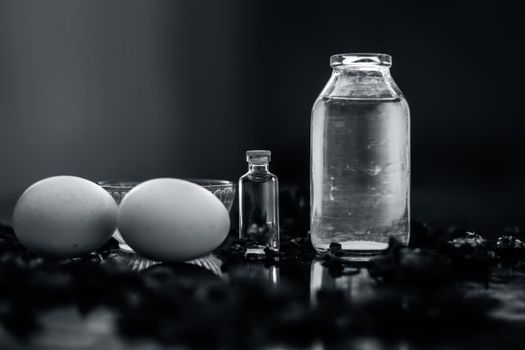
[[258, 168], [361, 82], [363, 70]]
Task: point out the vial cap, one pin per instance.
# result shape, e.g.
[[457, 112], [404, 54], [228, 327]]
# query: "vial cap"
[[258, 156]]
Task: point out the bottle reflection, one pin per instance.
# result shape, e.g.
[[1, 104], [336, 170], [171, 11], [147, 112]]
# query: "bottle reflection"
[[268, 274], [357, 287], [355, 283]]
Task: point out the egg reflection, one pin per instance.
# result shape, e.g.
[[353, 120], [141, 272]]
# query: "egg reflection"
[[137, 263], [173, 275], [209, 262]]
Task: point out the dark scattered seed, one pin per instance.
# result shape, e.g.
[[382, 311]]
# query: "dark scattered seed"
[[335, 249], [509, 242]]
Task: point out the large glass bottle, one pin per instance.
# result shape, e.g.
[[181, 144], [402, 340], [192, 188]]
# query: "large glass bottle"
[[259, 205], [360, 158]]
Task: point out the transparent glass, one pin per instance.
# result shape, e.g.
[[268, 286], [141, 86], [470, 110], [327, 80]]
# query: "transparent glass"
[[259, 208], [360, 158]]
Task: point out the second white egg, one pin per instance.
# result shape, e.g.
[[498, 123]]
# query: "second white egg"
[[170, 219]]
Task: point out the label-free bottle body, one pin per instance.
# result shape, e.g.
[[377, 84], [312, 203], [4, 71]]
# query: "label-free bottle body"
[[259, 204], [360, 158]]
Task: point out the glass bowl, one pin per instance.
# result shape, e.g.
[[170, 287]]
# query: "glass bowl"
[[224, 190]]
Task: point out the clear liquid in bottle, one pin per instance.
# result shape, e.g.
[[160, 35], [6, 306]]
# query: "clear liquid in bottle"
[[360, 172]]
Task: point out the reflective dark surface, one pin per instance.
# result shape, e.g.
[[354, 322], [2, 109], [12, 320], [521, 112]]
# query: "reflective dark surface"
[[497, 322], [304, 304]]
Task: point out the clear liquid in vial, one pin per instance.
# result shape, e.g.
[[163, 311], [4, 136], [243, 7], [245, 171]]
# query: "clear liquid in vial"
[[259, 211]]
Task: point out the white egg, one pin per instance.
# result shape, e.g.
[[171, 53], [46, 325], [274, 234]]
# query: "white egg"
[[64, 217], [172, 220]]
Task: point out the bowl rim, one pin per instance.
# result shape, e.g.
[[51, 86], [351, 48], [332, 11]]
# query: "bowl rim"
[[208, 182], [204, 182], [118, 183]]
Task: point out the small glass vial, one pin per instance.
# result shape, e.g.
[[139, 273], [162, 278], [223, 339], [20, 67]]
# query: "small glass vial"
[[259, 205]]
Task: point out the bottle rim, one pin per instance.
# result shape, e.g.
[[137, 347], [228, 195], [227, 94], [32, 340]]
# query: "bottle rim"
[[360, 59], [258, 157], [258, 153]]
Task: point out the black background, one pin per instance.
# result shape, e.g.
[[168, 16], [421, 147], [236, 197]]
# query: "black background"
[[142, 89]]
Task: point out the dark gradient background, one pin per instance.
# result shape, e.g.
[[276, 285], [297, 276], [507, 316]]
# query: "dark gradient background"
[[141, 89]]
